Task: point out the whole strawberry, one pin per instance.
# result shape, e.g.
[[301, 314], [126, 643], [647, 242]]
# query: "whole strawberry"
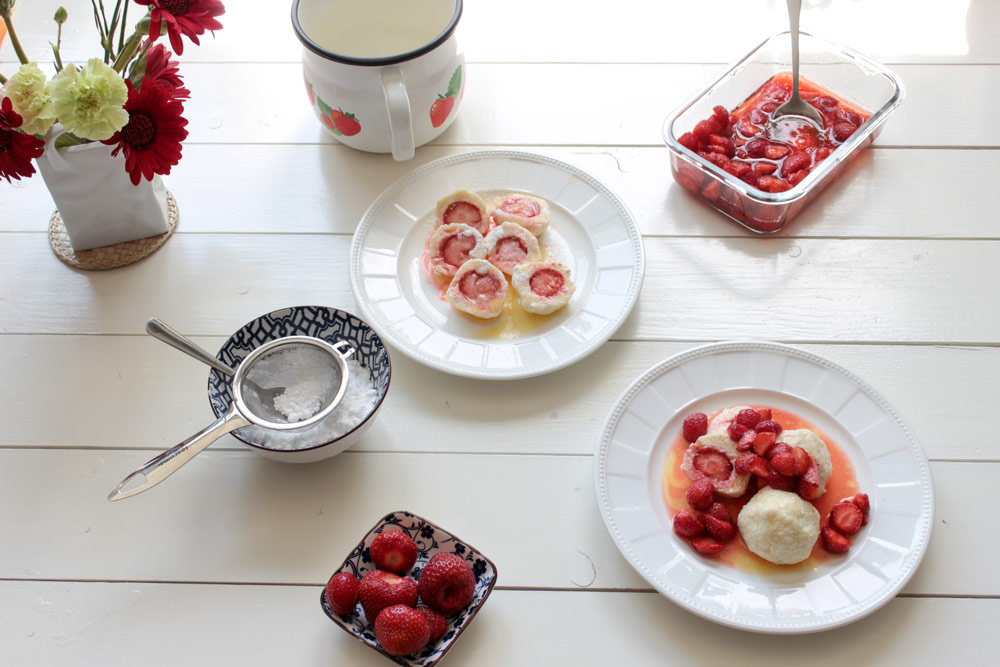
[[379, 590], [401, 630], [447, 583], [394, 551], [342, 593], [437, 622]]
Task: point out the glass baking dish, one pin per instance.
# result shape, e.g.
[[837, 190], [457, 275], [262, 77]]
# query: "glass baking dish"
[[848, 74]]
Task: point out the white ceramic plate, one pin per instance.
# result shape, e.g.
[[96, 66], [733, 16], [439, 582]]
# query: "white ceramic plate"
[[889, 463], [591, 231]]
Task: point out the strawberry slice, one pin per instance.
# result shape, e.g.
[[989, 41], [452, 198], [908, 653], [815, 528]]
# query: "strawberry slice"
[[701, 494], [768, 426], [744, 464], [713, 464], [723, 531], [785, 464], [802, 460], [706, 545], [861, 500], [763, 442], [736, 431], [687, 524], [834, 542], [719, 511], [462, 211], [748, 417], [809, 482], [765, 414], [776, 480], [747, 440], [846, 518]]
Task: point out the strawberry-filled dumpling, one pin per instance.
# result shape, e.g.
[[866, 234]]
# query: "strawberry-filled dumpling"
[[463, 207], [712, 457], [509, 245], [478, 288], [453, 245], [530, 212], [542, 287]]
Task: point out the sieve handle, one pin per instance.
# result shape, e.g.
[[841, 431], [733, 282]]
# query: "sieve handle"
[[161, 331], [164, 465]]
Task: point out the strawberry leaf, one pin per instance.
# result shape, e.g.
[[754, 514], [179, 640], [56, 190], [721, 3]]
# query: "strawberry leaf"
[[324, 108], [455, 85]]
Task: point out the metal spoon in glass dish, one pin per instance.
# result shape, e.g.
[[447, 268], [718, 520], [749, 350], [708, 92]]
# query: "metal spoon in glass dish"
[[796, 106], [251, 406]]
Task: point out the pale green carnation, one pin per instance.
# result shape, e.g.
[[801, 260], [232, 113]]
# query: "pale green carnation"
[[88, 102], [31, 99]]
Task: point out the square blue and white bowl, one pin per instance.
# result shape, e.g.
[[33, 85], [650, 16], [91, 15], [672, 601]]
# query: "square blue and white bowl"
[[329, 324], [430, 539]]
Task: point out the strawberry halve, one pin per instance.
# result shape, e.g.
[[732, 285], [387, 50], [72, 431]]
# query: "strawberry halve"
[[509, 245], [451, 246], [478, 288], [530, 212], [542, 287], [711, 457], [463, 207]]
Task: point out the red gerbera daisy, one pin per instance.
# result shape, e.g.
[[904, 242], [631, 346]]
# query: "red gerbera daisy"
[[17, 149], [153, 134], [183, 17], [161, 69]]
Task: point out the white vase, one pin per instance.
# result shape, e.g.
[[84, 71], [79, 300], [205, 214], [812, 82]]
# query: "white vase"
[[97, 202]]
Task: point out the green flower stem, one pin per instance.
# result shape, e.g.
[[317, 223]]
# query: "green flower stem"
[[128, 51], [14, 41], [3, 79]]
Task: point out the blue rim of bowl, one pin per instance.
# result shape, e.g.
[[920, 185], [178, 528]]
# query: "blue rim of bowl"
[[378, 404], [402, 660], [374, 62]]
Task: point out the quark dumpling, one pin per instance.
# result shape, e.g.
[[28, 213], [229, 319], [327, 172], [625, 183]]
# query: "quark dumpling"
[[451, 246], [542, 287], [711, 457], [463, 207], [530, 212], [478, 288], [779, 526], [816, 448], [508, 245]]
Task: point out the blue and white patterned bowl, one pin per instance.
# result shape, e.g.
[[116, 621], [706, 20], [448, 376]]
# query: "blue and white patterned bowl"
[[331, 325], [430, 539]]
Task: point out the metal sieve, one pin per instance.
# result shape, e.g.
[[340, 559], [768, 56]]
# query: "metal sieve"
[[254, 403]]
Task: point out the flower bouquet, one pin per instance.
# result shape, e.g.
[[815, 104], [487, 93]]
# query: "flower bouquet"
[[130, 99]]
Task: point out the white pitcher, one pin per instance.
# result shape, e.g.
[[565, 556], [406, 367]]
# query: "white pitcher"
[[383, 76]]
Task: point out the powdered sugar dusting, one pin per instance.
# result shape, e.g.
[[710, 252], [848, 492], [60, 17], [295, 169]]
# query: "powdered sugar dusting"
[[359, 400]]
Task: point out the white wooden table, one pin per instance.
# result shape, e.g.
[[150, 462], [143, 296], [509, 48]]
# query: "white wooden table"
[[893, 272]]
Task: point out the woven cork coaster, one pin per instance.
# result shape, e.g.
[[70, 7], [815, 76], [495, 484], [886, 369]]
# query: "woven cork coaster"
[[109, 256]]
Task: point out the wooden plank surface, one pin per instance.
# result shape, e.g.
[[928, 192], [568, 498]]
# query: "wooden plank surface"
[[285, 188], [633, 31], [240, 513], [101, 623], [788, 290], [155, 396], [889, 273]]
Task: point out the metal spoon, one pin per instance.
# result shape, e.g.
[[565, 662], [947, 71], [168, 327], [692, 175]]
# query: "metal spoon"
[[796, 106], [161, 331]]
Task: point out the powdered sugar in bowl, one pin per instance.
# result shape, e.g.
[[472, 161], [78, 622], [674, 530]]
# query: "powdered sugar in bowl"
[[369, 373]]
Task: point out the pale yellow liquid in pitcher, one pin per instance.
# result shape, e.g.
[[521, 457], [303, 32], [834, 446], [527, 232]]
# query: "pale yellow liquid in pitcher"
[[374, 28]]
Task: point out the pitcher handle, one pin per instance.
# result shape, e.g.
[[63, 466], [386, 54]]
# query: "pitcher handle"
[[397, 103], [52, 154]]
